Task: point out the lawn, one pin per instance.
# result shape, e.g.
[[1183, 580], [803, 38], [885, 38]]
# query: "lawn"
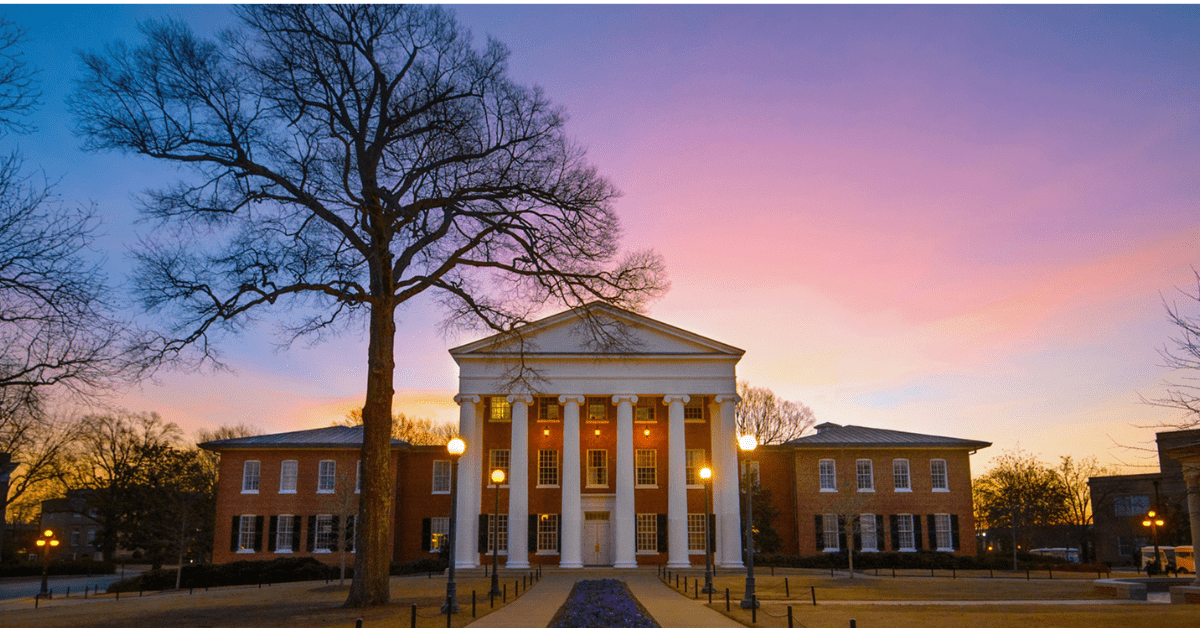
[[291, 605]]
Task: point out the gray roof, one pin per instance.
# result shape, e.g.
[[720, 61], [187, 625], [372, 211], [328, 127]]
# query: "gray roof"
[[336, 437], [833, 435]]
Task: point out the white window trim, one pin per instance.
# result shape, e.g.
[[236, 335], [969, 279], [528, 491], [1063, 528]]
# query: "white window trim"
[[241, 550], [326, 491], [857, 475], [949, 531], [907, 474], [295, 478], [450, 471], [824, 489], [245, 491], [945, 466], [588, 470]]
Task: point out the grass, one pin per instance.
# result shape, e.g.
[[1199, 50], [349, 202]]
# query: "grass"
[[291, 605], [1132, 615]]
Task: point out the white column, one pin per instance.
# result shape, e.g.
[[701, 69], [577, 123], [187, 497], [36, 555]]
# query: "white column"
[[571, 518], [466, 554], [677, 515], [625, 550], [725, 483], [518, 484], [1191, 476]]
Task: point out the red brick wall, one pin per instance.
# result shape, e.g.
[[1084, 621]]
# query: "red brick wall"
[[776, 476], [922, 500]]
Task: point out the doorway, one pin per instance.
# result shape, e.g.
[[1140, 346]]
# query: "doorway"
[[597, 546]]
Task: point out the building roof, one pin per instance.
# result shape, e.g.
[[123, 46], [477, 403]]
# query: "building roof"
[[335, 437], [834, 435]]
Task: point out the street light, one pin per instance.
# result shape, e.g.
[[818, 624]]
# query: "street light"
[[46, 541], [1154, 523], [706, 477], [455, 447], [747, 443], [497, 480]]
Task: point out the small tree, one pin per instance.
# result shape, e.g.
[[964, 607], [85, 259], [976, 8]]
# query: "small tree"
[[1077, 513], [770, 419], [1017, 493]]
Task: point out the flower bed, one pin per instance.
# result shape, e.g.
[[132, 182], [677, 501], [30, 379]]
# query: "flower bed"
[[600, 604]]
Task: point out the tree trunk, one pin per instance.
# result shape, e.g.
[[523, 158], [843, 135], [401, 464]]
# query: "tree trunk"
[[372, 560], [182, 551]]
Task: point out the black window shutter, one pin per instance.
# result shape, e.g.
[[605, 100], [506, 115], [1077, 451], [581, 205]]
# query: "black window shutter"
[[857, 533], [558, 542], [916, 519], [895, 521], [258, 529], [312, 532], [333, 532], [932, 519], [712, 532], [348, 535], [272, 528], [820, 528], [879, 535], [662, 532], [234, 529], [531, 534], [954, 531], [426, 534], [296, 532], [483, 533], [841, 531]]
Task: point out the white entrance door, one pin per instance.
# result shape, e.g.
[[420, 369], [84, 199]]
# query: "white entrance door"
[[597, 550]]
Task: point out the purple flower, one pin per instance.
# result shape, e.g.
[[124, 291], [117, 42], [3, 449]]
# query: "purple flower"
[[599, 604]]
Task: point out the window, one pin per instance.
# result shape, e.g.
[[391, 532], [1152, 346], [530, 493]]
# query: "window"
[[497, 459], [500, 409], [697, 531], [937, 473], [326, 535], [74, 537], [694, 410], [647, 532], [547, 409], [597, 410], [945, 537], [358, 478], [693, 462], [250, 476], [439, 533], [830, 530], [643, 414], [547, 533], [547, 467], [828, 474], [597, 467], [646, 464], [868, 533], [904, 525], [1131, 505], [288, 470], [284, 533], [246, 533], [326, 473], [866, 476], [91, 536], [900, 471], [441, 477], [498, 527]]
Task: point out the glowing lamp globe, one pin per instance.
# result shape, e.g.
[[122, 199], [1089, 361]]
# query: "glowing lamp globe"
[[705, 473], [456, 447], [747, 442], [498, 476]]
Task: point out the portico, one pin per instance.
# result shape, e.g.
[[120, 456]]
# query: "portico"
[[601, 444]]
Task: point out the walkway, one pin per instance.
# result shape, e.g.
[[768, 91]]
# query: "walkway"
[[536, 608]]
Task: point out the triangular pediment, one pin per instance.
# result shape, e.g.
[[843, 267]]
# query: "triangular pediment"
[[596, 329]]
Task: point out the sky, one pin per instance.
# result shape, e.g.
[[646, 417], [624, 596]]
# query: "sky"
[[961, 221]]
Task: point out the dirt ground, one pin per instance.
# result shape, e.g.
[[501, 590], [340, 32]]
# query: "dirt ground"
[[291, 605]]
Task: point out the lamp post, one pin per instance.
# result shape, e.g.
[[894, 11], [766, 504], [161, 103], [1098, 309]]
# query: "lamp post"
[[747, 443], [706, 477], [497, 480], [455, 447], [46, 541], [1154, 522]]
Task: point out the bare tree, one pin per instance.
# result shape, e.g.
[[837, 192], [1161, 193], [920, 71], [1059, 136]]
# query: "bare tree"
[[348, 159], [1074, 476], [770, 419], [415, 431], [1182, 354]]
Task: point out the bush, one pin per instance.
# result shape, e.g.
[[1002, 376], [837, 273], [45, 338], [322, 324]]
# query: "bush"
[[421, 565], [77, 567], [240, 572], [923, 559]]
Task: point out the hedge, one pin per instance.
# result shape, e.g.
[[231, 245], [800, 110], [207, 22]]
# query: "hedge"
[[258, 571], [77, 567], [924, 559]]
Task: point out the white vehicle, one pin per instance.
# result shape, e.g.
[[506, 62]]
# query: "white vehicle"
[[1185, 559], [1068, 554], [1166, 556]]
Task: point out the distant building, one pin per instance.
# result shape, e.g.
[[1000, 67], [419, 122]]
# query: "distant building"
[[1120, 504], [71, 520], [7, 466]]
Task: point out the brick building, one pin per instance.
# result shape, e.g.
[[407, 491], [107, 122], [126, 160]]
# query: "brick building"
[[610, 446], [71, 520]]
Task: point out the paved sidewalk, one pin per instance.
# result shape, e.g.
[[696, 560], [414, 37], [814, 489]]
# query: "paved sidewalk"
[[536, 608]]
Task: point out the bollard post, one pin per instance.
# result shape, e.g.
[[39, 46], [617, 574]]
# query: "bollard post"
[[118, 595], [413, 620], [68, 592], [893, 572], [991, 573], [754, 609], [140, 590], [685, 584], [726, 599], [696, 591], [787, 593], [772, 571], [505, 598], [358, 623], [35, 600], [710, 596], [931, 572], [1049, 568], [953, 573], [814, 594], [853, 624], [831, 571], [472, 602], [1026, 574], [790, 616], [85, 592]]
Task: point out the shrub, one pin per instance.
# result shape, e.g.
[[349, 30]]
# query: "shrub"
[[77, 567], [240, 572]]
